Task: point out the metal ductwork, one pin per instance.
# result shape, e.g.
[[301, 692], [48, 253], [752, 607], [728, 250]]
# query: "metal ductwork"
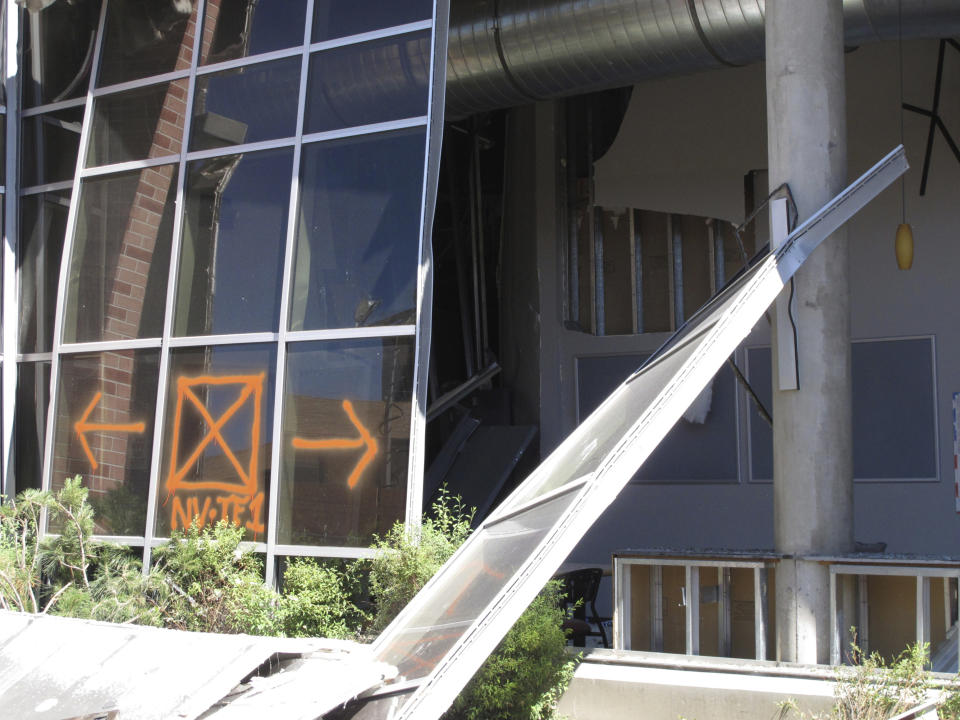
[[510, 52]]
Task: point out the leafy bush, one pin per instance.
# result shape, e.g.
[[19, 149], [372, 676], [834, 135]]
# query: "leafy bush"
[[406, 561], [872, 689], [204, 579], [217, 586], [317, 601], [527, 673]]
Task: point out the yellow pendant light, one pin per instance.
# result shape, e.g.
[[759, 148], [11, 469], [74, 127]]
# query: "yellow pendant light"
[[903, 246]]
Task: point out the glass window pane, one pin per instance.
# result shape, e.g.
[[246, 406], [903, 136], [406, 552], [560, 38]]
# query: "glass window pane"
[[358, 233], [217, 438], [372, 82], [43, 222], [58, 46], [335, 18], [489, 562], [346, 440], [240, 28], [147, 38], [231, 261], [121, 256], [138, 124], [49, 145], [246, 105], [104, 431], [30, 423]]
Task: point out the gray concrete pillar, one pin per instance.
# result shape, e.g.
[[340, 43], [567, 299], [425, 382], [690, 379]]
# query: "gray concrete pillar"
[[813, 465]]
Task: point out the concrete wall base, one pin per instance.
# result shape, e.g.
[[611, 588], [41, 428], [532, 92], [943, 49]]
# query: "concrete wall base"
[[609, 685]]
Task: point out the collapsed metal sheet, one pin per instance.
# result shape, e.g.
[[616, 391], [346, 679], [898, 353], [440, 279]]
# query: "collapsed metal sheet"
[[53, 668], [443, 636]]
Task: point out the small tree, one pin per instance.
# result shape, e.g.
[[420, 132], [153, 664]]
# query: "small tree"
[[64, 560]]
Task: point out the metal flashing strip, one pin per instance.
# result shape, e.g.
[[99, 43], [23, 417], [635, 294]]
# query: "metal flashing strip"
[[611, 445]]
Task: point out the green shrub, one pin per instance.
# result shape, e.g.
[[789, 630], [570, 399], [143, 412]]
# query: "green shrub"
[[405, 562], [217, 585], [317, 601], [872, 689], [526, 675], [204, 579]]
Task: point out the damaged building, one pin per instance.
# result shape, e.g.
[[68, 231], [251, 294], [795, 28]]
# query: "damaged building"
[[298, 264]]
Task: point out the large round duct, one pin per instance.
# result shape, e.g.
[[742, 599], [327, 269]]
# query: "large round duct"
[[509, 52]]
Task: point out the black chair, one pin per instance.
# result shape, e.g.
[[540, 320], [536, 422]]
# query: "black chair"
[[580, 587]]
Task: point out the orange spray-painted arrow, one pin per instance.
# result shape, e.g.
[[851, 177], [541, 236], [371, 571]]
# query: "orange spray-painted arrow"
[[346, 444], [83, 427]]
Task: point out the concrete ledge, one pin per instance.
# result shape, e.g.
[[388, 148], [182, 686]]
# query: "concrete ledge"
[[610, 685]]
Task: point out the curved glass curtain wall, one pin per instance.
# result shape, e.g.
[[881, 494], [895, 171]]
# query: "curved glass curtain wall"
[[238, 194]]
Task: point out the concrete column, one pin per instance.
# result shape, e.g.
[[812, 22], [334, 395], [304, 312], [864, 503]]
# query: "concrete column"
[[813, 486]]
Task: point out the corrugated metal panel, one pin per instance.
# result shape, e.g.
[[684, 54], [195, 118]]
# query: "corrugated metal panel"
[[54, 668]]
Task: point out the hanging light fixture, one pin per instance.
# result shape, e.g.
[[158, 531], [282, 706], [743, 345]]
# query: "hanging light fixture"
[[903, 243], [903, 246]]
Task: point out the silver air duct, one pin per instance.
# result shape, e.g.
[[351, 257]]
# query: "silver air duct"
[[510, 52]]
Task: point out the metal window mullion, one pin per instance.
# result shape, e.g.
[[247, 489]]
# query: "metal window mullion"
[[240, 149], [52, 107], [131, 540], [834, 623], [286, 290], [621, 604], [371, 35], [65, 259], [127, 166], [369, 129], [433, 140], [163, 382], [760, 615], [109, 345], [947, 619], [244, 61], [923, 610], [326, 551], [380, 331], [49, 187], [11, 295], [138, 83], [175, 341], [496, 518], [246, 546], [691, 609]]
